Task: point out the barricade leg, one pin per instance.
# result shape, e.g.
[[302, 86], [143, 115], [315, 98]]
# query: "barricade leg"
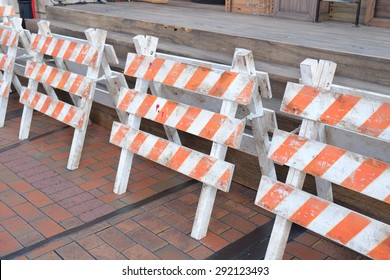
[[25, 123], [3, 109], [76, 148]]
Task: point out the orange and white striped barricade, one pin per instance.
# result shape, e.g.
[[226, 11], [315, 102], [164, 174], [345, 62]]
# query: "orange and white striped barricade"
[[108, 84], [234, 87], [9, 39], [359, 113], [89, 55]]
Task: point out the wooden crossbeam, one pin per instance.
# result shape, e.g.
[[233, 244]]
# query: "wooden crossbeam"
[[359, 173], [360, 114], [226, 85], [209, 125], [59, 110], [65, 49], [73, 83], [194, 164], [349, 228]]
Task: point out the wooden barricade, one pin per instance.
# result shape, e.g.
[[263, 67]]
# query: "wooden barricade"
[[83, 87], [355, 111], [236, 86], [9, 38]]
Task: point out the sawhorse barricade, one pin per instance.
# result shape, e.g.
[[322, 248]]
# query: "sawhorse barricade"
[[358, 112], [234, 87], [80, 86], [9, 39]]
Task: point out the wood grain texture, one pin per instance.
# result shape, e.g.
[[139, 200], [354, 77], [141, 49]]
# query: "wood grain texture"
[[362, 53]]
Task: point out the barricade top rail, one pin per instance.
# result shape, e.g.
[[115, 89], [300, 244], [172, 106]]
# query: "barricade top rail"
[[228, 85], [81, 53], [361, 114]]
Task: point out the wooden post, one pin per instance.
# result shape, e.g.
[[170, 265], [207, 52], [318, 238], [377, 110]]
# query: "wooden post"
[[96, 38], [145, 45], [313, 74], [241, 61]]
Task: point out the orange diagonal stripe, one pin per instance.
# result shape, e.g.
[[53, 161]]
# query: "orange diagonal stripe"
[[382, 251], [69, 116], [378, 122], [174, 74], [301, 100], [339, 108], [83, 53], [224, 181], [197, 78], [157, 149], [52, 76], [166, 111], [201, 169], [76, 84], [364, 175], [6, 38], [2, 62], [41, 70], [57, 110], [57, 47], [69, 50], [25, 94], [323, 161], [127, 99], [178, 158], [308, 211], [348, 228], [212, 126], [45, 105], [223, 83], [64, 80], [288, 149], [189, 117], [274, 196], [138, 141], [153, 69], [35, 42], [120, 135], [35, 101], [46, 44], [146, 104], [134, 65], [235, 136]]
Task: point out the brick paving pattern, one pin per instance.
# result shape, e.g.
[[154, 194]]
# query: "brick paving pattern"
[[40, 198]]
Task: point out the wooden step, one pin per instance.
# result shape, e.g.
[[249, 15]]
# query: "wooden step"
[[287, 44]]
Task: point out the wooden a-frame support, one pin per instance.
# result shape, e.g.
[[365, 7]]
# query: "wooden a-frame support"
[[243, 63], [97, 39], [316, 74]]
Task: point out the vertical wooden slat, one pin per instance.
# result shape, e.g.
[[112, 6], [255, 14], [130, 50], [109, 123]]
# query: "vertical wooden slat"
[[317, 75], [145, 45]]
